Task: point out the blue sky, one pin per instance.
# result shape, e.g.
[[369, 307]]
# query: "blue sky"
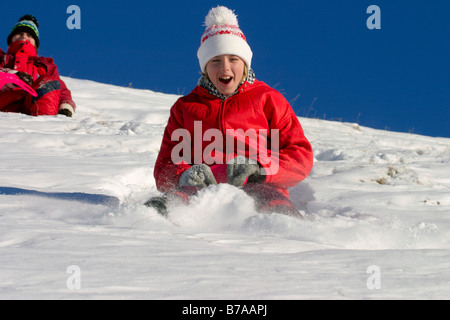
[[319, 54]]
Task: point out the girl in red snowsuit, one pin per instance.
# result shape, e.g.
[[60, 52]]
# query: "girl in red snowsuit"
[[229, 102], [40, 73]]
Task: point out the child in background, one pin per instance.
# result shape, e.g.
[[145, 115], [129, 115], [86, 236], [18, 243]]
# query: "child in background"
[[40, 73]]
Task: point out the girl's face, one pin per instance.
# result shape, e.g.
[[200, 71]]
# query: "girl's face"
[[225, 72], [23, 36]]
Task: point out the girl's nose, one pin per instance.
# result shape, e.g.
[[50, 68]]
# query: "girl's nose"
[[226, 65]]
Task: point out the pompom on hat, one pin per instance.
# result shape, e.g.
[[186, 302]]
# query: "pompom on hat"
[[27, 23], [223, 36]]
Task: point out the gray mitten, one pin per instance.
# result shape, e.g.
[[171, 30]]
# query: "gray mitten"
[[199, 175], [241, 168]]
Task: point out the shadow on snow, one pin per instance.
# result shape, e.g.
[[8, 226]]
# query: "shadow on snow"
[[100, 199]]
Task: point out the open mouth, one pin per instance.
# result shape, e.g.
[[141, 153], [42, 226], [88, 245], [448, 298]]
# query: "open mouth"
[[225, 80]]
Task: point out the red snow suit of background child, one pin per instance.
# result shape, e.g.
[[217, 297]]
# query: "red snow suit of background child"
[[258, 107], [51, 90]]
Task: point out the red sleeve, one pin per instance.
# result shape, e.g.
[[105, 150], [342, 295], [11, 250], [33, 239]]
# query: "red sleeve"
[[167, 173], [294, 159], [5, 59], [65, 95]]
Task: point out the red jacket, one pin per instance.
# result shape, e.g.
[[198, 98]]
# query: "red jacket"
[[256, 107], [24, 58]]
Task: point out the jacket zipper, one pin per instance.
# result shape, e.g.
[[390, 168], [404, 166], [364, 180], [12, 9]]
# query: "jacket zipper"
[[222, 116]]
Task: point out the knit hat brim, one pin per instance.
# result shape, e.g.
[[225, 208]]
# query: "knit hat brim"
[[224, 44], [25, 26]]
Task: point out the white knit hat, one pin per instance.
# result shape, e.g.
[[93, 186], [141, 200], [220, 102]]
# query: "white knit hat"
[[223, 36]]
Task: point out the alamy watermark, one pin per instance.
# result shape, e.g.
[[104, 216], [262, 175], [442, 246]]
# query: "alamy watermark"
[[374, 21], [74, 21], [374, 280], [211, 147], [74, 280]]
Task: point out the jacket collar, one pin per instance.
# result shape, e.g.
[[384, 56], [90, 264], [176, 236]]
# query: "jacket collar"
[[25, 48]]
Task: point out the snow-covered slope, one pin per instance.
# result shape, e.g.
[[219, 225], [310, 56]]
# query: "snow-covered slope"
[[72, 224]]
